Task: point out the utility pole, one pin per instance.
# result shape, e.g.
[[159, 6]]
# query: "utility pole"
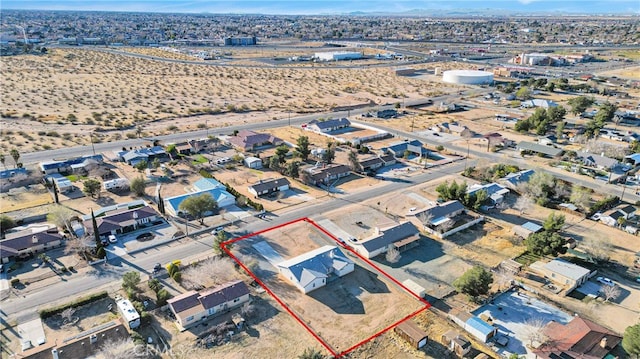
[[206, 125], [92, 146], [289, 117]]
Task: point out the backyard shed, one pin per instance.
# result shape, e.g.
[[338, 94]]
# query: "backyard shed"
[[480, 329], [456, 343], [414, 287], [525, 230], [412, 333]]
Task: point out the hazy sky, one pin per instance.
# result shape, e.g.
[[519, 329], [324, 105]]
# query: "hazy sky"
[[330, 6]]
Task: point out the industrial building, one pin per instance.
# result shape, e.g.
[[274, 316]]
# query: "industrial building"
[[467, 77], [240, 41], [337, 56]]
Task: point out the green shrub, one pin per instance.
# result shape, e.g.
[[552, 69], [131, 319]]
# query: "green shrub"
[[15, 281], [177, 276]]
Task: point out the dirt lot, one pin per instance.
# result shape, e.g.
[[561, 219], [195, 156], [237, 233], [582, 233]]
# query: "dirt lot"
[[24, 197], [360, 303]]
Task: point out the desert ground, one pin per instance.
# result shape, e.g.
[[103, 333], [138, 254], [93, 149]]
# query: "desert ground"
[[56, 99]]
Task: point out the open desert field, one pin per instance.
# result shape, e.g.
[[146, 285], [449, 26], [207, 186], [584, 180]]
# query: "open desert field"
[[57, 99]]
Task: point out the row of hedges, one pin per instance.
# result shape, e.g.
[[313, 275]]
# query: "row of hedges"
[[49, 312]]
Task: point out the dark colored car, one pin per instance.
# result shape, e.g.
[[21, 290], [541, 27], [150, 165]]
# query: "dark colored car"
[[157, 267], [145, 236]]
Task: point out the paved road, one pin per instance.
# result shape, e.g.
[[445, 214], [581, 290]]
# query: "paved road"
[[22, 308]]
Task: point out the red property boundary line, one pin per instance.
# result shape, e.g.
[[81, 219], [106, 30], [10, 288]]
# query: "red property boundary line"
[[426, 306]]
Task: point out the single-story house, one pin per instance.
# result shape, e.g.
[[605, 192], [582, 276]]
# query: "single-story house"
[[399, 236], [328, 125], [633, 158], [597, 161], [540, 149], [371, 164], [191, 307], [204, 185], [457, 343], [388, 113], [439, 213], [538, 103], [495, 191], [456, 129], [86, 344], [398, 149], [526, 229], [272, 185], [122, 220], [247, 140], [580, 338], [548, 140], [136, 156], [199, 145], [68, 166], [562, 273], [412, 333], [388, 159], [512, 180], [63, 184], [28, 242], [610, 217], [310, 271], [183, 148], [253, 162], [325, 173]]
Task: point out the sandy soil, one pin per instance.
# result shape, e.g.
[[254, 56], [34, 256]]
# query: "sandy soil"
[[70, 84], [24, 198]]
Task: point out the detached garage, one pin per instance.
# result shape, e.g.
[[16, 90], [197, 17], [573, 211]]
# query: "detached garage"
[[412, 333]]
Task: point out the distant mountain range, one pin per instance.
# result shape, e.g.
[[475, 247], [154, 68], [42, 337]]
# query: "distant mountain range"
[[333, 7]]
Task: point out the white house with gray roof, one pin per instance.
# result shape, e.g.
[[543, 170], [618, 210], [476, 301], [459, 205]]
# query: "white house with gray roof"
[[399, 236], [563, 273], [310, 271]]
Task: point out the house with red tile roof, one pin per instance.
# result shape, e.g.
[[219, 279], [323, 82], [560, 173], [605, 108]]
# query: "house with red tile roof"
[[580, 338]]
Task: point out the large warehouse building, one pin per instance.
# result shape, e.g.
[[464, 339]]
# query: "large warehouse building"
[[337, 56], [467, 77]]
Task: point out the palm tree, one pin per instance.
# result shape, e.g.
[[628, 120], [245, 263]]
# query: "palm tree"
[[15, 155]]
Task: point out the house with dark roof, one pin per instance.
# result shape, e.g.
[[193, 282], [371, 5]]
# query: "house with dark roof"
[[310, 271], [136, 156], [27, 242], [445, 219], [371, 164], [268, 186], [70, 165], [86, 344], [4, 174], [512, 180], [123, 220], [191, 307], [399, 236], [580, 338], [247, 140], [441, 212], [325, 173], [398, 149], [328, 125]]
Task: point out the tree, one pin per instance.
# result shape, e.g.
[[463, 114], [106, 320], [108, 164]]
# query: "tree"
[[118, 349], [545, 243], [130, 280], [199, 205], [474, 282], [61, 216], [580, 196], [556, 114], [293, 169], [67, 315], [540, 187], [218, 239], [605, 113], [330, 154], [353, 161], [92, 187], [631, 340], [162, 296], [302, 147], [392, 255], [154, 285], [554, 222], [274, 163], [598, 249], [141, 166], [281, 153], [534, 331], [96, 233], [580, 104], [138, 186], [6, 222], [3, 160], [610, 292], [524, 93], [15, 154], [212, 271], [79, 246], [311, 353]]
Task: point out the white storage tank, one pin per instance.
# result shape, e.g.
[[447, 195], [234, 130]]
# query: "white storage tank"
[[467, 77]]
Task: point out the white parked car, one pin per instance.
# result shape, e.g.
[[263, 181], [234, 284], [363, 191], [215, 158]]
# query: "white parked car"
[[606, 281], [113, 238]]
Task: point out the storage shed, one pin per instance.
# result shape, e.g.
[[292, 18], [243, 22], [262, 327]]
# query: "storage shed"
[[414, 287], [456, 343], [412, 333]]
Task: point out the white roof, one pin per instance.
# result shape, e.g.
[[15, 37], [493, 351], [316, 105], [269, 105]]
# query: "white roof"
[[566, 269], [128, 311]]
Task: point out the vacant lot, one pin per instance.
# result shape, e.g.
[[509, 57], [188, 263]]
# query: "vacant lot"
[[24, 198], [350, 308]]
